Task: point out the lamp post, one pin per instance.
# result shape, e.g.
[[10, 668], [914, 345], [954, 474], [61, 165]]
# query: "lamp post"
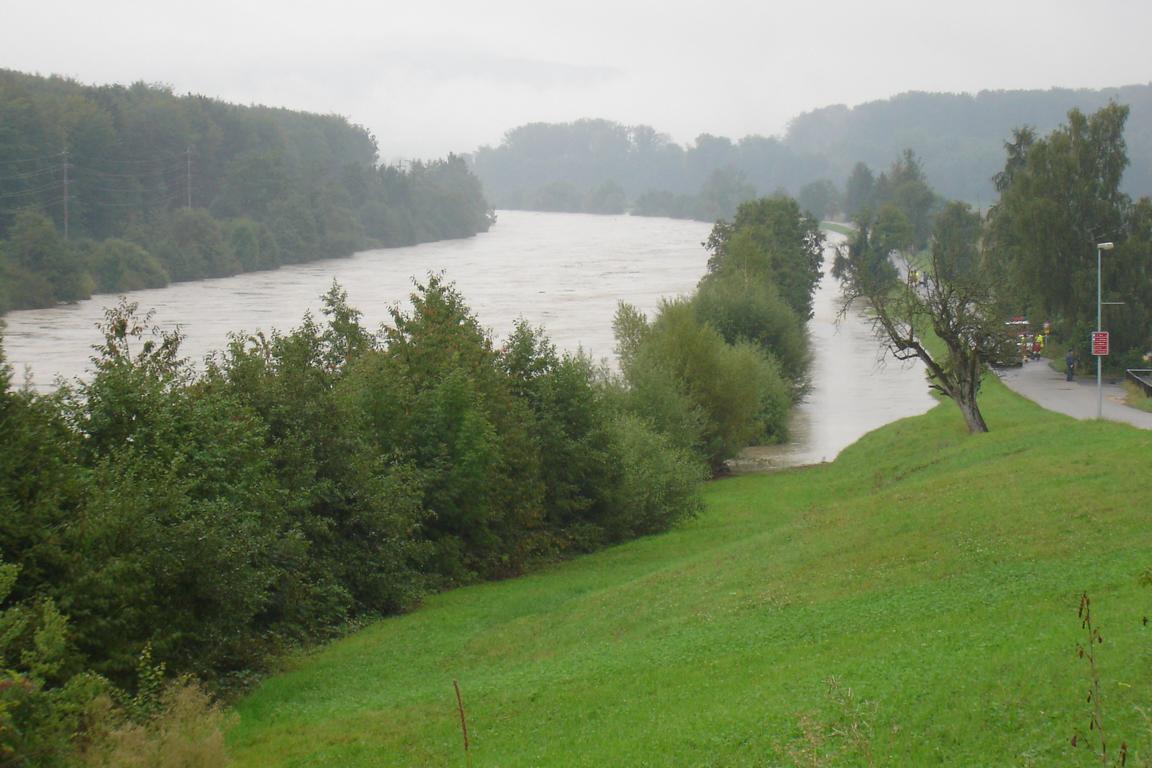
[[1100, 248]]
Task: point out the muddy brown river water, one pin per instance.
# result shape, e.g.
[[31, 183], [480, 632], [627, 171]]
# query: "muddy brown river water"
[[565, 272]]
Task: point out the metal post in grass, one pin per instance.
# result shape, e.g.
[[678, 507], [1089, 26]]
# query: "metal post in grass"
[[463, 723]]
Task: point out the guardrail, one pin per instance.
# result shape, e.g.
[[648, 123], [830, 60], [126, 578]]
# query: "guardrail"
[[1143, 378]]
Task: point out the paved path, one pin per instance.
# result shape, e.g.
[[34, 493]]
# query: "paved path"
[[1048, 389]]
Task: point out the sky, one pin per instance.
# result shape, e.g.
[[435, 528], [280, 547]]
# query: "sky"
[[429, 77]]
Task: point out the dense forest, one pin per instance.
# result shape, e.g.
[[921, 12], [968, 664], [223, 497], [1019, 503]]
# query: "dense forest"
[[599, 166], [114, 188]]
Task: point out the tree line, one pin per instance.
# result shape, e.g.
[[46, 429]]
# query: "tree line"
[[159, 520], [113, 188], [959, 137], [599, 166]]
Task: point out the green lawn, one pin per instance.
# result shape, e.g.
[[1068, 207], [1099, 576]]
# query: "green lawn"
[[933, 574]]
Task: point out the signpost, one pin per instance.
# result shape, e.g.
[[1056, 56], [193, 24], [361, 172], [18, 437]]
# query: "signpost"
[[1100, 343], [1100, 248]]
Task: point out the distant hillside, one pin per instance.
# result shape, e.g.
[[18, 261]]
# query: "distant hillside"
[[600, 166], [960, 137]]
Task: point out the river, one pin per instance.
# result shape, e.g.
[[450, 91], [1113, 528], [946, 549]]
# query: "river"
[[565, 272]]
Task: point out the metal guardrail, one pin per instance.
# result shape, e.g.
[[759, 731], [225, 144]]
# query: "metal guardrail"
[[1143, 378]]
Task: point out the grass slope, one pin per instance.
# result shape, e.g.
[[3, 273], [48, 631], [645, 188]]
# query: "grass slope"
[[934, 574]]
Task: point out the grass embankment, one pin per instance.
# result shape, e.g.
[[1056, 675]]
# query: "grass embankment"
[[935, 574], [838, 227]]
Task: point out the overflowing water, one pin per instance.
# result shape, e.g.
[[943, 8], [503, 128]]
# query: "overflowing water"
[[565, 272]]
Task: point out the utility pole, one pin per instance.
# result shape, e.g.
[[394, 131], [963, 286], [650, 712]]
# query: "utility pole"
[[65, 192], [188, 176]]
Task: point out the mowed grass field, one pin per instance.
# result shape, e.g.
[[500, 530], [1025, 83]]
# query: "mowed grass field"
[[913, 603]]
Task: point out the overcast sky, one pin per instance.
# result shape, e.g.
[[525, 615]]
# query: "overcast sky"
[[433, 76]]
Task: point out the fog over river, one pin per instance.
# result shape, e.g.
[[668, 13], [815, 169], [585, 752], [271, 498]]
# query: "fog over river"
[[565, 272]]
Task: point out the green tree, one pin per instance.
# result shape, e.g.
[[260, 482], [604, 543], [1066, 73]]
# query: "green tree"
[[891, 231], [435, 398], [252, 245], [658, 484], [819, 199], [772, 238], [752, 310], [41, 485], [571, 428], [118, 265], [1060, 197], [607, 198], [858, 190], [738, 390], [904, 187], [36, 247], [191, 246], [722, 194], [354, 508], [43, 705], [181, 527], [957, 303]]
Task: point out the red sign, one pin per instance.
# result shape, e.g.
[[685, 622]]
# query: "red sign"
[[1100, 343]]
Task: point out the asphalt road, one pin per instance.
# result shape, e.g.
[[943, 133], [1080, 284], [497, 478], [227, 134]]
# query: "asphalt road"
[[1048, 389]]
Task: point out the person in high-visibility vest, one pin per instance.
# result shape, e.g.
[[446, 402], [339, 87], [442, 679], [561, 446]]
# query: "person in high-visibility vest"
[[1038, 346]]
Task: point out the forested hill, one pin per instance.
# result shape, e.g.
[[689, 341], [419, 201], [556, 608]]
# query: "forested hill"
[[600, 166], [960, 137], [113, 188]]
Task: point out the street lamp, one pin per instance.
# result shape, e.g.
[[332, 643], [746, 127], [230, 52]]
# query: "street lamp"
[[1100, 248]]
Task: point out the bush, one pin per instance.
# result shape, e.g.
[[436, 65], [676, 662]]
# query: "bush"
[[570, 429], [185, 730], [190, 244], [655, 393], [657, 485], [752, 310], [42, 704], [118, 265], [252, 246], [738, 390]]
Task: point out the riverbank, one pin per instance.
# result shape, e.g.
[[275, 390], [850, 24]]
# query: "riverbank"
[[933, 575]]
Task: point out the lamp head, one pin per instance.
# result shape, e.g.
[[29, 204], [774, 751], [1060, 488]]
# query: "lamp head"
[[1105, 246]]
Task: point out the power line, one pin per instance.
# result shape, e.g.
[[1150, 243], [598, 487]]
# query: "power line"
[[151, 202], [28, 192], [172, 169], [31, 159], [167, 155], [25, 175]]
